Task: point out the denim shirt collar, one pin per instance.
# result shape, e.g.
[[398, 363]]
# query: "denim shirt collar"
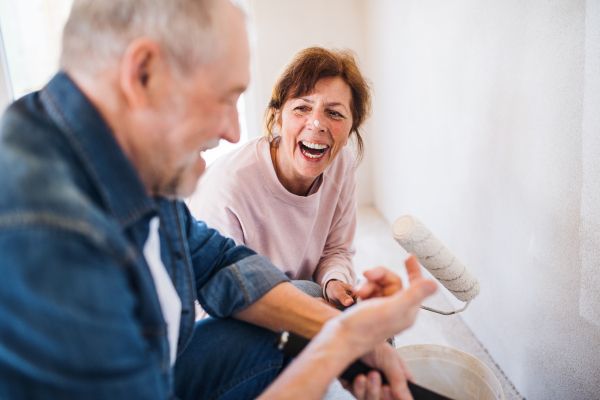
[[94, 143]]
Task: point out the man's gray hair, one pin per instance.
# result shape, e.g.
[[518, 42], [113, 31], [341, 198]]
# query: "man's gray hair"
[[98, 32]]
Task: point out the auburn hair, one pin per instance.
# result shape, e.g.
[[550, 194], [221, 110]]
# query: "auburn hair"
[[302, 73]]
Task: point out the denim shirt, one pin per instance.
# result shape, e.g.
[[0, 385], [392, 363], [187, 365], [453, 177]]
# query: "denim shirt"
[[79, 313]]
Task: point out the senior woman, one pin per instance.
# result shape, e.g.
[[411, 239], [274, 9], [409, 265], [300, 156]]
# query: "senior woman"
[[291, 195]]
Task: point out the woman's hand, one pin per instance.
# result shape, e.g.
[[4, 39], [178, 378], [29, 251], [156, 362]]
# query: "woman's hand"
[[340, 293]]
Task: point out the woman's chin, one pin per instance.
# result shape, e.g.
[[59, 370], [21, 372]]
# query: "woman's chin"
[[311, 169]]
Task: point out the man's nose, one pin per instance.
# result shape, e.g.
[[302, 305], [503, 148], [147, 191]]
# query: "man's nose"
[[231, 128]]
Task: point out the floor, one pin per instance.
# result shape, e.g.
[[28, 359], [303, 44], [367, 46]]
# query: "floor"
[[375, 246]]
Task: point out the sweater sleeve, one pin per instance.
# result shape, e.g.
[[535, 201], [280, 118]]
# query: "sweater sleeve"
[[336, 261], [227, 222], [217, 209]]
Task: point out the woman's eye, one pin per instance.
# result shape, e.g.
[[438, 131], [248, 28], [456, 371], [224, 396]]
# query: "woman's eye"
[[336, 114], [301, 109]]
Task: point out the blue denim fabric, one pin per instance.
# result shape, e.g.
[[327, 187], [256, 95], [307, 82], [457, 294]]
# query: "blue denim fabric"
[[310, 288], [79, 314], [243, 364]]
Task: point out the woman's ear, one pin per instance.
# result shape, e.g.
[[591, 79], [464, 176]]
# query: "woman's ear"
[[140, 71]]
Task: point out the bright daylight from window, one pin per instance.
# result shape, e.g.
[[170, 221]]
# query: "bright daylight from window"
[[31, 32]]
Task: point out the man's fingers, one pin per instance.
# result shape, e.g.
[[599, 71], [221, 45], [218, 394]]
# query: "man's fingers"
[[373, 386], [384, 277], [400, 389], [406, 370], [413, 269], [368, 290], [417, 292], [395, 373], [359, 387], [376, 274], [347, 385], [387, 393], [381, 282]]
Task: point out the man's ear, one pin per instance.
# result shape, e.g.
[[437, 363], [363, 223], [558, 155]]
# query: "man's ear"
[[141, 67]]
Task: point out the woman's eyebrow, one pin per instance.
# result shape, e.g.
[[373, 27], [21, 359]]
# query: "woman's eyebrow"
[[331, 104], [335, 104]]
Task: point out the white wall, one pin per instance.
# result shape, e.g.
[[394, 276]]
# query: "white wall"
[[487, 127], [5, 89], [281, 28]]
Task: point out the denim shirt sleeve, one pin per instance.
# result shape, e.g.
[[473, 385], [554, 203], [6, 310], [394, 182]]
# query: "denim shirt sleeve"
[[229, 278], [61, 292]]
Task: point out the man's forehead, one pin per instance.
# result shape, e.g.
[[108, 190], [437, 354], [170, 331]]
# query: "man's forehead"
[[226, 75], [232, 65]]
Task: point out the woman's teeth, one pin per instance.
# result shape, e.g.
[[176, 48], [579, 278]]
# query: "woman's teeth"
[[314, 145], [313, 150]]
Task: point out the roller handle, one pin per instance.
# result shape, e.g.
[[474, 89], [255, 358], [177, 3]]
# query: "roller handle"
[[291, 344]]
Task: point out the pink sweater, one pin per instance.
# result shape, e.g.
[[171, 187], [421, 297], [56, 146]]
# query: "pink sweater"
[[306, 237]]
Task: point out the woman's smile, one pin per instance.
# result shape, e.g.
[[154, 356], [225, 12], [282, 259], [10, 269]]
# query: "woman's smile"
[[313, 151]]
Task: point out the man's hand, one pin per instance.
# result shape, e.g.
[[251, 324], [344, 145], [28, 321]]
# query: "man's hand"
[[359, 332], [340, 293], [381, 282], [389, 311], [369, 387]]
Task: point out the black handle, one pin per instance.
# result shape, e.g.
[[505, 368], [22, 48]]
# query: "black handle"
[[291, 344]]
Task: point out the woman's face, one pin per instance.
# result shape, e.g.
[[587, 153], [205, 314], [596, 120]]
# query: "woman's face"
[[314, 128]]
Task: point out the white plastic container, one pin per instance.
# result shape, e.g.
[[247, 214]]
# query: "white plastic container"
[[450, 372]]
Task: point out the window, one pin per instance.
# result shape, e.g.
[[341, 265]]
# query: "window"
[[224, 146], [31, 33]]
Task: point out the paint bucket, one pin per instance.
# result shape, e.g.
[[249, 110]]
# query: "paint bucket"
[[450, 372]]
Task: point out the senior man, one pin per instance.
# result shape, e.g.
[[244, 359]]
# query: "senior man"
[[100, 261]]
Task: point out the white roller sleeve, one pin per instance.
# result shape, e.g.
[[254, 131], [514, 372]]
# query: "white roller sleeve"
[[415, 238]]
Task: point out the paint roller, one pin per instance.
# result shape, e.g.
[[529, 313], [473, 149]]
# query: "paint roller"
[[415, 238]]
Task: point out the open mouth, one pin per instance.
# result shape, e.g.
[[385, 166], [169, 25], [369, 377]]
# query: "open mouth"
[[313, 150]]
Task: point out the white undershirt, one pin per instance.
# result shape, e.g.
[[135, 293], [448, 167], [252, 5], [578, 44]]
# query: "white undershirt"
[[170, 303]]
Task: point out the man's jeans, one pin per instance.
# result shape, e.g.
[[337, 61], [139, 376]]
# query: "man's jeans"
[[250, 365], [240, 361], [310, 288]]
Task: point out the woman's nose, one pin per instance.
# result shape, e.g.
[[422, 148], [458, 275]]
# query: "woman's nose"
[[318, 121]]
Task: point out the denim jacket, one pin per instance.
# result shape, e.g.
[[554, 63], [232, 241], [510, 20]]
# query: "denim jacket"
[[79, 314]]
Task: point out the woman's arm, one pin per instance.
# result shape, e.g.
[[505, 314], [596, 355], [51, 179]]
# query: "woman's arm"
[[336, 261]]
